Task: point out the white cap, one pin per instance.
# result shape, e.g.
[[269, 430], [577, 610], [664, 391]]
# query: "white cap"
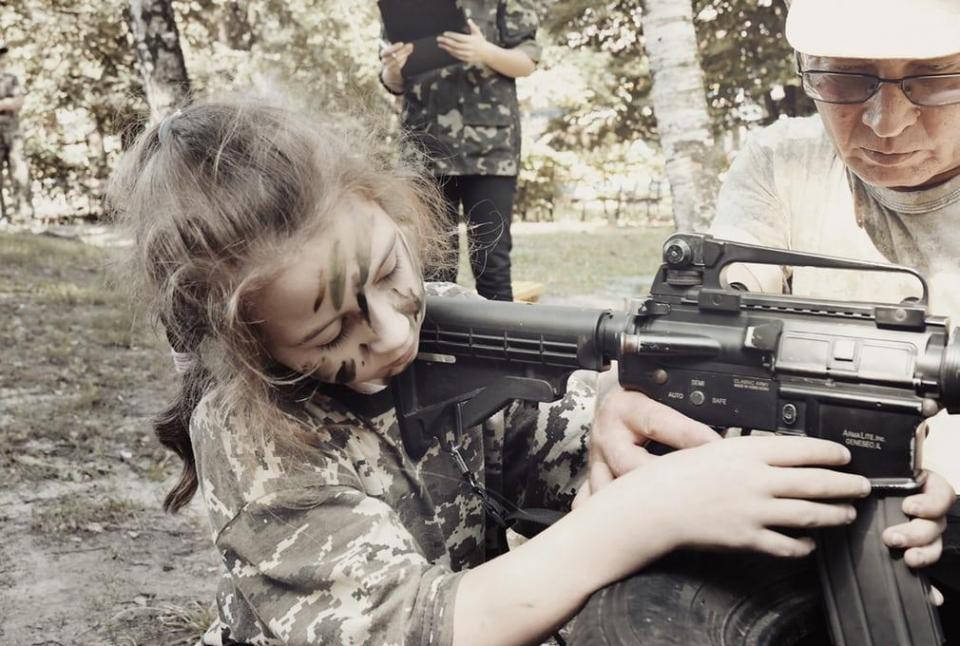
[[875, 29]]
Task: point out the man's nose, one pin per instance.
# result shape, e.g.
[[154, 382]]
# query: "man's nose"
[[889, 112]]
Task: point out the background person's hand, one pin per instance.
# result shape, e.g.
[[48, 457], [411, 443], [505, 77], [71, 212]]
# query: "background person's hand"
[[392, 60], [625, 421], [470, 48], [920, 537]]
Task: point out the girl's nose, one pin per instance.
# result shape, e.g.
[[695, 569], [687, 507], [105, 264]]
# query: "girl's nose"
[[390, 328]]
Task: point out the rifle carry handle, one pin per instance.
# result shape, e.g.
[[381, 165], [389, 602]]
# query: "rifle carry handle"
[[872, 598]]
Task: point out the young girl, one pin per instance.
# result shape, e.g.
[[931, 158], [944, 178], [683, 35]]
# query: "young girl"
[[282, 253]]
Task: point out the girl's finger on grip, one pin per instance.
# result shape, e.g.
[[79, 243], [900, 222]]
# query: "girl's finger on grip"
[[817, 483], [800, 451], [787, 512], [915, 533], [919, 557], [776, 544]]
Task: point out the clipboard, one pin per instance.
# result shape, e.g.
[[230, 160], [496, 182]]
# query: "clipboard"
[[420, 22]]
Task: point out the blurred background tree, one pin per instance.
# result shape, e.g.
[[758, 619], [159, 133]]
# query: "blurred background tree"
[[591, 140]]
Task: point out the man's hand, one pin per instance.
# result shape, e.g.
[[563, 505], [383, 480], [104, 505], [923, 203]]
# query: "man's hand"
[[624, 422], [470, 48], [921, 536], [393, 58]]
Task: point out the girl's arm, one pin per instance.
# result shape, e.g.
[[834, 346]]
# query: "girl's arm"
[[725, 494]]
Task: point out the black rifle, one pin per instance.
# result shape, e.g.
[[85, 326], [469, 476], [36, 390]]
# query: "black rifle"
[[866, 375]]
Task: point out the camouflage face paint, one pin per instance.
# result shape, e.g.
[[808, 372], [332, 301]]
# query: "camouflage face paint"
[[364, 306], [347, 372], [359, 286], [410, 304], [364, 242], [338, 277]]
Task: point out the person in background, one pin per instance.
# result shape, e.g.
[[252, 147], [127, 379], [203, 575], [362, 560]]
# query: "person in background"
[[465, 118], [11, 146]]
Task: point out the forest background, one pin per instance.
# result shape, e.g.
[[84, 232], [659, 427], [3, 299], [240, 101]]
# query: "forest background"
[[93, 70]]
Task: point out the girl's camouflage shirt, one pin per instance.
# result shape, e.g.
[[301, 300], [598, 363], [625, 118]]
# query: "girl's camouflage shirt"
[[356, 544], [465, 117]]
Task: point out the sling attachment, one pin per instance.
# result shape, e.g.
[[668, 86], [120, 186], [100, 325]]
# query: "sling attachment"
[[502, 511]]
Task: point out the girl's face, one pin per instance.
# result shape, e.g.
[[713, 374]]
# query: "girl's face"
[[348, 305]]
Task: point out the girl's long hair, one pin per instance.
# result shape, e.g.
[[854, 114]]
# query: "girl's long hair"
[[210, 196]]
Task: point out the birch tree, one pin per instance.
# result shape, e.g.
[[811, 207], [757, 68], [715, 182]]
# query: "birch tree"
[[680, 106], [157, 41]]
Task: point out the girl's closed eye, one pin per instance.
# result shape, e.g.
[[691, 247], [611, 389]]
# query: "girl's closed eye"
[[387, 274], [336, 341]]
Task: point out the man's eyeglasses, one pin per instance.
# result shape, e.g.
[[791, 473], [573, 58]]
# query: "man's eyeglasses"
[[930, 90]]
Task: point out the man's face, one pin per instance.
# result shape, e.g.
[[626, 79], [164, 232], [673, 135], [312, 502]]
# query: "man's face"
[[348, 304], [887, 140]]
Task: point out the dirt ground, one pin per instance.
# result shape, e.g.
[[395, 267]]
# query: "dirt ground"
[[86, 554]]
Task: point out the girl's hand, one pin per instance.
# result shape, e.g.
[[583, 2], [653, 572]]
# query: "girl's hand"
[[920, 537], [734, 493], [392, 60], [470, 48]]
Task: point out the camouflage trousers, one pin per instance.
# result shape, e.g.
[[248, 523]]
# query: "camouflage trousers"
[[14, 179]]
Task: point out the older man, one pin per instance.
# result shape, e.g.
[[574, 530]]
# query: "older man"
[[876, 175]]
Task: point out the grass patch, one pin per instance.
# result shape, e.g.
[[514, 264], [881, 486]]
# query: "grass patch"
[[189, 621], [75, 514], [45, 252], [177, 625], [580, 260], [71, 294]]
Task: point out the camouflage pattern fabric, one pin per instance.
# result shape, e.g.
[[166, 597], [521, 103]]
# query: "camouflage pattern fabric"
[[465, 117], [9, 88], [353, 543]]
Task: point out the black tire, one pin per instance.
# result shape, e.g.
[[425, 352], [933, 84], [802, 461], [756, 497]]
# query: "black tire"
[[700, 599]]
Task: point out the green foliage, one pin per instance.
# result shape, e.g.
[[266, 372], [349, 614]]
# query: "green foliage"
[[85, 95], [325, 50], [83, 89], [588, 100], [747, 62]]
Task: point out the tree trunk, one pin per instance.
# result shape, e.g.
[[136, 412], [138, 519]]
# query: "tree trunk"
[[680, 107], [155, 34], [234, 29]]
